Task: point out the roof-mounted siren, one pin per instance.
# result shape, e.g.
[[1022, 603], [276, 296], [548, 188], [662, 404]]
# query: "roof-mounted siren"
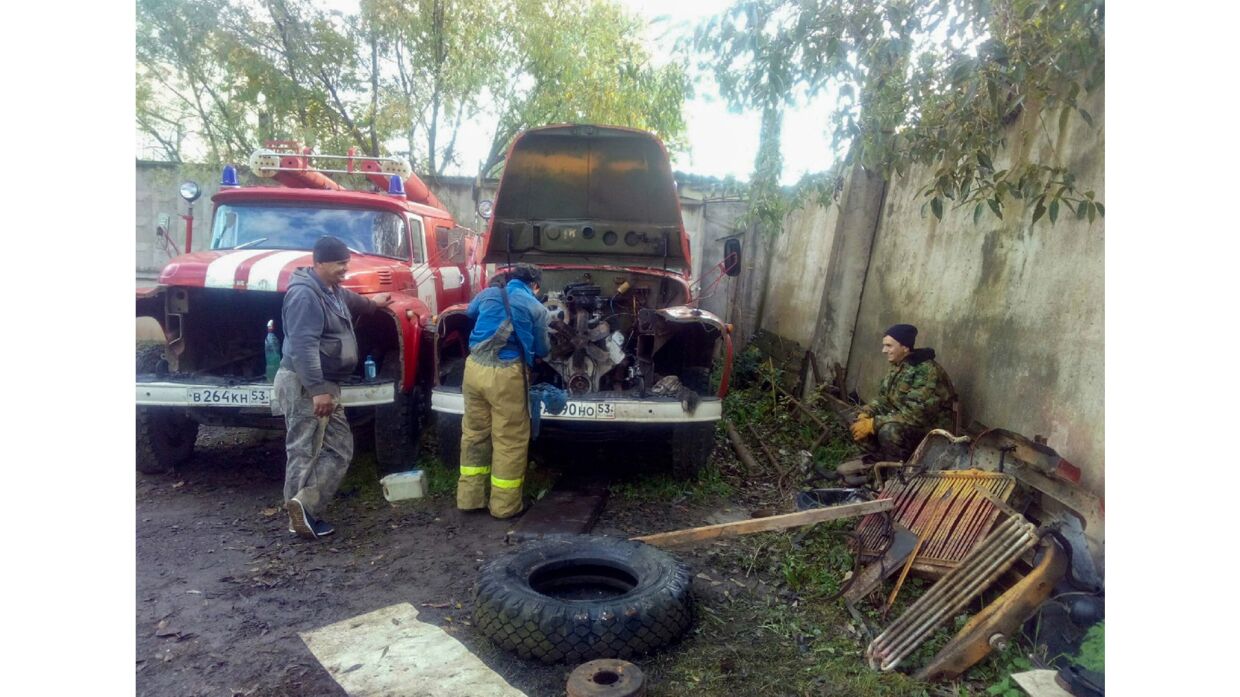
[[396, 187], [291, 169]]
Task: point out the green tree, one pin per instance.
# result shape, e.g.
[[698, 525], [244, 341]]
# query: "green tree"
[[925, 82], [440, 54], [579, 62], [235, 73]]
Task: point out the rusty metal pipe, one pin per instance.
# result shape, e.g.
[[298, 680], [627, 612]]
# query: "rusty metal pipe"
[[993, 557], [1000, 619], [998, 541], [927, 603], [955, 602], [941, 610], [956, 599]]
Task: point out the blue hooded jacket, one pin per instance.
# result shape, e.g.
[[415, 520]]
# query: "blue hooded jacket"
[[529, 320]]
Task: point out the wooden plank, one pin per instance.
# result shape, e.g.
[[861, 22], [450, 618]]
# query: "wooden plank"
[[568, 509], [776, 522]]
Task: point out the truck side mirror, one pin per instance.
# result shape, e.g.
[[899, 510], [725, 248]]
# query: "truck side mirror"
[[485, 209], [732, 257]]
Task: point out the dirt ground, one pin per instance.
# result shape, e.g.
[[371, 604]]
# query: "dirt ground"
[[223, 589]]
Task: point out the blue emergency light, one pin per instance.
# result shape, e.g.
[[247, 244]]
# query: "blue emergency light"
[[229, 178], [396, 187]]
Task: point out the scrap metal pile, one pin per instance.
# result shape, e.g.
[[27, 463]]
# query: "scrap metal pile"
[[994, 520]]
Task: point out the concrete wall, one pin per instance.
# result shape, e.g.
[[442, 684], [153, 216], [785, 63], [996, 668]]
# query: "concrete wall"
[[157, 193], [1014, 309], [798, 272]]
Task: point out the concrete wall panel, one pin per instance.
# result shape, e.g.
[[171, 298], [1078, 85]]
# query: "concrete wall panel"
[[1014, 309]]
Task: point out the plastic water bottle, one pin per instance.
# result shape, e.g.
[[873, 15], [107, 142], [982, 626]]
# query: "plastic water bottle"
[[370, 368], [271, 347]]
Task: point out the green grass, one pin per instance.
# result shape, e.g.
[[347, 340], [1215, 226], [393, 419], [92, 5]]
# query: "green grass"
[[1093, 649], [662, 487], [767, 647]]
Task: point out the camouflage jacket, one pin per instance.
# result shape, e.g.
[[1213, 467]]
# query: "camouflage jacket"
[[916, 393]]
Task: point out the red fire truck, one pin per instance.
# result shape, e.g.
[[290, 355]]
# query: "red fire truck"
[[214, 304]]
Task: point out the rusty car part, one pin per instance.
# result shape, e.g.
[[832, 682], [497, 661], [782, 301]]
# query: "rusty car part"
[[1000, 619], [895, 590], [946, 510], [871, 577], [946, 598], [607, 677]]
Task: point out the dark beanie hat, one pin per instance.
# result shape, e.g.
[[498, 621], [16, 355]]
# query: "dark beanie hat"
[[328, 248], [527, 273], [904, 333]]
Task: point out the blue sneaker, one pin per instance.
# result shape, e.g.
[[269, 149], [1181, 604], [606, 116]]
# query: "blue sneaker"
[[299, 521]]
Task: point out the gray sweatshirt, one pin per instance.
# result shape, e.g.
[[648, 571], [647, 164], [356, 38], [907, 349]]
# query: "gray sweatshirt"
[[319, 343]]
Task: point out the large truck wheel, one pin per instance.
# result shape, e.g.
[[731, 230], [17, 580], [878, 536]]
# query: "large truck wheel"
[[448, 439], [398, 432], [692, 445], [568, 599], [165, 439]]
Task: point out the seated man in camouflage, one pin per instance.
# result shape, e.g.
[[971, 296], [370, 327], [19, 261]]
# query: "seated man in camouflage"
[[914, 397]]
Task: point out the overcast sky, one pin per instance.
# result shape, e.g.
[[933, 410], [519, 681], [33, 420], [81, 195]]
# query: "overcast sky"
[[722, 143]]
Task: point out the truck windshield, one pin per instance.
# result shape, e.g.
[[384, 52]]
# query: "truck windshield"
[[265, 226]]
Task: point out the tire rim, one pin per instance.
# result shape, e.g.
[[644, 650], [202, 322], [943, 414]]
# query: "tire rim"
[[583, 579]]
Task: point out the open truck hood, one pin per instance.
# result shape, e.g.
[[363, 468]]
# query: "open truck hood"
[[575, 194]]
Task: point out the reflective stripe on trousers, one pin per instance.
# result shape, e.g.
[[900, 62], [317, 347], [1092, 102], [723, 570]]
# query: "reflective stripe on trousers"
[[495, 434]]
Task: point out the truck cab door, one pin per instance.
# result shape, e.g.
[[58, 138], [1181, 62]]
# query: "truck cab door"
[[425, 276], [450, 265]]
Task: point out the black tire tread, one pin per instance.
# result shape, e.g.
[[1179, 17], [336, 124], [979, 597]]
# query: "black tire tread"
[[398, 432], [555, 631], [448, 439], [156, 453]]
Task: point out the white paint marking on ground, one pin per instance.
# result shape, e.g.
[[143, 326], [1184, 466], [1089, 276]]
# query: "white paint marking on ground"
[[390, 653]]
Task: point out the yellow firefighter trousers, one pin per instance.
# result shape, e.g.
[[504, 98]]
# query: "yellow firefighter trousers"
[[495, 437]]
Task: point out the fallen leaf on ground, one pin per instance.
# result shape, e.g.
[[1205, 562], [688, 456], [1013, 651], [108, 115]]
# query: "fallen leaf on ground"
[[437, 606], [178, 485], [270, 511]]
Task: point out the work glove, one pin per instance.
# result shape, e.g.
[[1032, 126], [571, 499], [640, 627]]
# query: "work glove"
[[863, 427]]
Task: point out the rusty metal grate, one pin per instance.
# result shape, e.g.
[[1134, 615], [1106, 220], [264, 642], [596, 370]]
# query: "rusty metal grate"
[[995, 554], [946, 510]]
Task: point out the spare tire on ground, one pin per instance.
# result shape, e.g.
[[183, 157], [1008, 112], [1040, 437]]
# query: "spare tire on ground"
[[580, 597]]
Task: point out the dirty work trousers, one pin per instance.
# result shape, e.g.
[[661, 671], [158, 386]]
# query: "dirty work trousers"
[[495, 437], [893, 442], [318, 450]]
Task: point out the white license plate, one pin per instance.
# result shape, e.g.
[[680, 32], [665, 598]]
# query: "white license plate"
[[230, 396], [585, 410]]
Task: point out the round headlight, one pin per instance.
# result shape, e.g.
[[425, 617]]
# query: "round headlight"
[[190, 191], [485, 208]]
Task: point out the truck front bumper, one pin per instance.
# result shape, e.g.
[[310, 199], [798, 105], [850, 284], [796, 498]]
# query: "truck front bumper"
[[603, 409], [248, 395]]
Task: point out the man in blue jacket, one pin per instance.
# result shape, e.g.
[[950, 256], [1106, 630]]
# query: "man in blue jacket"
[[510, 330]]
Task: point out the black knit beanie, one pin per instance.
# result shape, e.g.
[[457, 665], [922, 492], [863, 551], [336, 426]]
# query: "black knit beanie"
[[328, 248], [906, 334]]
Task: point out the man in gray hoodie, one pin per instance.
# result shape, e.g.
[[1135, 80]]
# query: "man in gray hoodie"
[[320, 351]]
